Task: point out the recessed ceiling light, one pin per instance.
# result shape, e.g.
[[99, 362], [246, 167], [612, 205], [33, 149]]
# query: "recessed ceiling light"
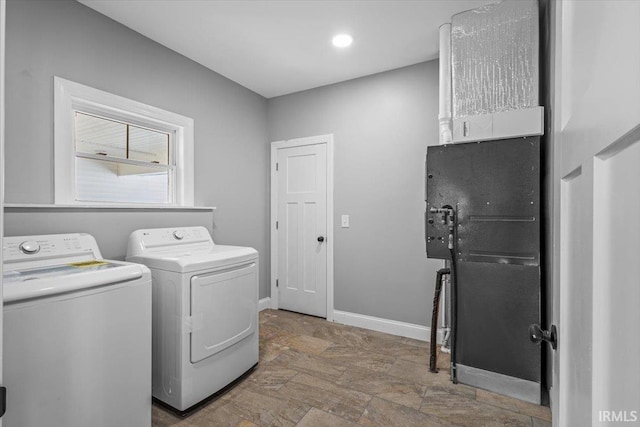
[[342, 40]]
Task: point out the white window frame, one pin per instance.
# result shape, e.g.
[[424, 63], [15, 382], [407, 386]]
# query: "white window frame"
[[70, 97]]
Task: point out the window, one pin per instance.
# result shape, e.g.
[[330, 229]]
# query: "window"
[[120, 162], [112, 150]]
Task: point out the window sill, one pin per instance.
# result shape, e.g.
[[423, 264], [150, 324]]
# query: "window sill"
[[118, 207]]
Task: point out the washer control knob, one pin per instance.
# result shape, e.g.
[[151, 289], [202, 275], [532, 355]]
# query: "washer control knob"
[[179, 235], [29, 247]]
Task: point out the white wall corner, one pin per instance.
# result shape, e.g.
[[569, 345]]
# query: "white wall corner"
[[393, 327], [264, 303]]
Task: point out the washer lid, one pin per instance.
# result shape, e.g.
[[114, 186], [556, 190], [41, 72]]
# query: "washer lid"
[[184, 260], [49, 280]]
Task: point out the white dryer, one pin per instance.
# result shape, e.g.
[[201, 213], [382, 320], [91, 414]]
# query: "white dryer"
[[205, 312], [77, 335]]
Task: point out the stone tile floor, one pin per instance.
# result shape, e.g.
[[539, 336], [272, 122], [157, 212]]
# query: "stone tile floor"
[[314, 373]]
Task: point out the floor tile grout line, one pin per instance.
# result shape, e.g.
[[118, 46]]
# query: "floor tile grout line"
[[492, 405], [506, 409], [311, 406], [364, 411], [334, 382], [531, 417], [382, 355], [395, 359], [305, 414], [364, 331]]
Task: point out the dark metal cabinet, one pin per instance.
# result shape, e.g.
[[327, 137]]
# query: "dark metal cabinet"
[[494, 189]]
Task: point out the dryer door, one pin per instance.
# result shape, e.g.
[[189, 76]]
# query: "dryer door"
[[224, 309]]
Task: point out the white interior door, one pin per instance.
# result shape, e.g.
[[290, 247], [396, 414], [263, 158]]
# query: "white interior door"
[[302, 226], [596, 380]]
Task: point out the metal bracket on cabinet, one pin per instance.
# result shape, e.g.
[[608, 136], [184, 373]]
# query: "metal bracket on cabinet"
[[537, 335]]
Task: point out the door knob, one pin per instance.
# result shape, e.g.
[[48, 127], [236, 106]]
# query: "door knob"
[[321, 239], [537, 335]]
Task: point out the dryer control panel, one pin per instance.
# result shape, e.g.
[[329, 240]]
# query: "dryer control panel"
[[157, 239]]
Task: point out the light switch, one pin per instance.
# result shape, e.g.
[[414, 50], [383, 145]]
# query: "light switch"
[[345, 221]]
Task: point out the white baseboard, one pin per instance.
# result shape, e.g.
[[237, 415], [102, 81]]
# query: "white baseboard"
[[393, 327], [264, 303]]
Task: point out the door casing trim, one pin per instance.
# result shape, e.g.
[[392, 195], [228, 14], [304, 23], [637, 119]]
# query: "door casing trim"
[[298, 142]]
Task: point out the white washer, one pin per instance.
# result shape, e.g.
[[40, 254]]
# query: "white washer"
[[205, 312], [77, 335]]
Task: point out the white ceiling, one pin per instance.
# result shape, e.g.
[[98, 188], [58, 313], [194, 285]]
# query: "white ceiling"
[[279, 47]]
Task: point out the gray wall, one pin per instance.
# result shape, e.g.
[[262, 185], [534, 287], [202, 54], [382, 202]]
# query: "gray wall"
[[67, 39], [110, 227], [382, 125]]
